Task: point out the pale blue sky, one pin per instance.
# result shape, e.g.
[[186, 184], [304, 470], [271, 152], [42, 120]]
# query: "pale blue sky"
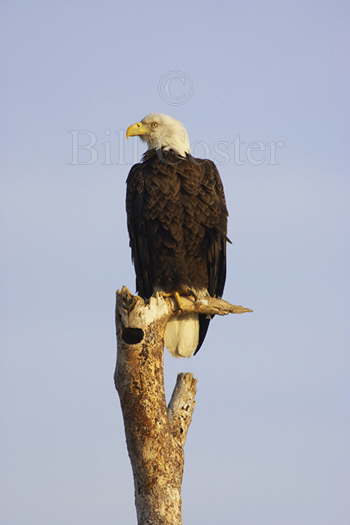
[[268, 442]]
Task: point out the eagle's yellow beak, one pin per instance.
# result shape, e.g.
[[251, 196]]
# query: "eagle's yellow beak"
[[137, 129]]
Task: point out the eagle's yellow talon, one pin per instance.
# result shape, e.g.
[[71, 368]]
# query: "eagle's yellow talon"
[[176, 296]]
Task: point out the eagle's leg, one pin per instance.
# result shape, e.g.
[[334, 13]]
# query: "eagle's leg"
[[186, 291], [178, 300], [177, 296]]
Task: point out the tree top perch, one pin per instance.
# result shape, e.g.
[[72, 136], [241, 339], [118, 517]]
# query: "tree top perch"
[[135, 311], [156, 433]]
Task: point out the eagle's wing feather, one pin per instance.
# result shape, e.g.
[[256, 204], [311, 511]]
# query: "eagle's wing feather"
[[215, 222], [216, 230], [137, 228]]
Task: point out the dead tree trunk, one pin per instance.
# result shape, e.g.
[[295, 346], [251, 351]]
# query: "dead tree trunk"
[[155, 433]]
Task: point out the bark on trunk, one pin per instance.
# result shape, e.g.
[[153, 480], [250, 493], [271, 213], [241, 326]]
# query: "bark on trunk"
[[155, 433]]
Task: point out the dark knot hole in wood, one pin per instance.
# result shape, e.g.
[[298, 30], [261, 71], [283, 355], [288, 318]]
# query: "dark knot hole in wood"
[[132, 336]]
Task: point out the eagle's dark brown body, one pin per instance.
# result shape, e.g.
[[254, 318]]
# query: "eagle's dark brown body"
[[177, 222]]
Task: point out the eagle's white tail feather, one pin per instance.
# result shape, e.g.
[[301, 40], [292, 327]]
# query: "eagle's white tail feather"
[[182, 335]]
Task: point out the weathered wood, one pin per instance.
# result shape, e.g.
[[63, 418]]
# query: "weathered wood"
[[181, 406], [155, 433]]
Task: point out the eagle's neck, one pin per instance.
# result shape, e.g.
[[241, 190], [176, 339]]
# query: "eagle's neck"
[[166, 155], [170, 140]]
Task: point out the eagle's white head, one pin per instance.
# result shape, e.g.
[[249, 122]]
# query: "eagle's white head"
[[161, 131]]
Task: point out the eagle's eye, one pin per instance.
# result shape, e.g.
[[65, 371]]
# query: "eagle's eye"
[[154, 125]]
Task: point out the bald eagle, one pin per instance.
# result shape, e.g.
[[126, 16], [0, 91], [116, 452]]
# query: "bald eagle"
[[177, 223]]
